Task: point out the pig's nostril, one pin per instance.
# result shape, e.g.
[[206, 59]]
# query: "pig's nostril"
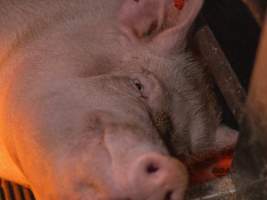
[[152, 168], [168, 195]]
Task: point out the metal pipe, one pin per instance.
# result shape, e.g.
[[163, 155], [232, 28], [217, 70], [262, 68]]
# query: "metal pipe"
[[27, 194], [17, 192], [221, 70], [7, 189]]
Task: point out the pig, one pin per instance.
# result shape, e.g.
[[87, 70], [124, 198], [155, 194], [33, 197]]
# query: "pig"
[[98, 99]]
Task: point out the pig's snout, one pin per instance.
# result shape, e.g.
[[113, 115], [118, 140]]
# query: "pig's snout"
[[141, 169], [157, 177]]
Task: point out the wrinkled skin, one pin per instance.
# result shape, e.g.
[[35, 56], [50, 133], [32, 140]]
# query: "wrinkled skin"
[[93, 91]]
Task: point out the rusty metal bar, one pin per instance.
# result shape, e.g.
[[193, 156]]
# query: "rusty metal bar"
[[211, 53], [17, 192], [7, 189], [2, 197], [221, 70], [250, 162], [27, 194], [13, 191], [258, 88], [257, 8]]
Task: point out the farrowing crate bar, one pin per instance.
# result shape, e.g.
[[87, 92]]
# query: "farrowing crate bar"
[[12, 191]]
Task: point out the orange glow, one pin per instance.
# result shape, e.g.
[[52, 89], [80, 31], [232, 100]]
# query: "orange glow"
[[211, 168]]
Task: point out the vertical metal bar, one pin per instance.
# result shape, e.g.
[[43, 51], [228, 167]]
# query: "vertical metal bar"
[[17, 192], [13, 191], [250, 162], [258, 86], [27, 194], [7, 189], [2, 197]]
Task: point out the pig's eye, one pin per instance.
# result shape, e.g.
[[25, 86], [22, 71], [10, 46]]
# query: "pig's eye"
[[138, 85]]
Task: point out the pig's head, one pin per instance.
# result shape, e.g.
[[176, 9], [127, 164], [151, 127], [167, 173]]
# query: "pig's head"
[[97, 134]]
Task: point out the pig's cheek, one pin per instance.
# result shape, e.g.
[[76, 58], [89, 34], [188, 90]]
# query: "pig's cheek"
[[96, 174], [91, 160]]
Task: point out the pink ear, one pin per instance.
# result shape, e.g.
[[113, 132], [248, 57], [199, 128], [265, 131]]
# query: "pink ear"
[[158, 22]]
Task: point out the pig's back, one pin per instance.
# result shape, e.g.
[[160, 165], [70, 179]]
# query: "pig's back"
[[21, 21]]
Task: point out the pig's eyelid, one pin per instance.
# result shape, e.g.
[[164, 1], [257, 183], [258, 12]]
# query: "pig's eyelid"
[[138, 85]]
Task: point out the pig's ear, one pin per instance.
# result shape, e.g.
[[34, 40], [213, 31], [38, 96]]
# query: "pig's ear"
[[158, 22]]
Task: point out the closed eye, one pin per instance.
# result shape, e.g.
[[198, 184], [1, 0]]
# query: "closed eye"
[[138, 85]]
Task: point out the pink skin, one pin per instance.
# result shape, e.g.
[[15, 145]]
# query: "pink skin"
[[104, 153], [86, 98]]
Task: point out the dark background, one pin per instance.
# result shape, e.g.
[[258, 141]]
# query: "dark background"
[[237, 32]]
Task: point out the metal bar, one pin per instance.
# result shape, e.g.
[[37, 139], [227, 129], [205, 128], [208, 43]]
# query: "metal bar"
[[221, 70], [257, 8], [250, 162], [2, 197], [13, 191], [258, 86], [7, 189], [17, 192], [27, 194], [210, 51]]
